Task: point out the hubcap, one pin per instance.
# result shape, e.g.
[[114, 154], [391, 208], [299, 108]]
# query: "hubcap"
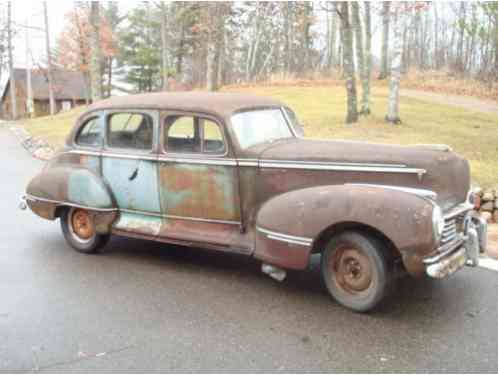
[[352, 270], [82, 224]]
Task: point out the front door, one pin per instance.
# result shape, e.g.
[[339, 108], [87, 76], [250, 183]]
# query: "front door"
[[198, 182], [129, 166]]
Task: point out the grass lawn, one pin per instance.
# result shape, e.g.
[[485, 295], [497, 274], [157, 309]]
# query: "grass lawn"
[[322, 110]]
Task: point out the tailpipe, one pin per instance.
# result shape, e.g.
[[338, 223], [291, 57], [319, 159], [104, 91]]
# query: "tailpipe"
[[276, 273]]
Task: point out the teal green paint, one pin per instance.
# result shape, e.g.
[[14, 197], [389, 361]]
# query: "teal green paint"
[[225, 180], [140, 193], [139, 223], [85, 189]]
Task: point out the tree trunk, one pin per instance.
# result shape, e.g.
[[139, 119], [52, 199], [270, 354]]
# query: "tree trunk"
[[349, 68], [368, 60], [215, 24], [49, 61], [384, 72], [164, 46], [394, 83], [360, 58], [95, 67], [13, 96]]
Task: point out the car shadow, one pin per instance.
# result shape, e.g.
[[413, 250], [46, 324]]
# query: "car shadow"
[[409, 298]]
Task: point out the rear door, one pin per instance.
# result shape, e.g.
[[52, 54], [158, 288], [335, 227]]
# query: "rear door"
[[129, 166]]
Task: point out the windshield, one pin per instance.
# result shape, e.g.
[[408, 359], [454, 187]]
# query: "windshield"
[[265, 125]]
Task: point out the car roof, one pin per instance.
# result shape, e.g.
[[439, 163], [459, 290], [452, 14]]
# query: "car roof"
[[222, 104]]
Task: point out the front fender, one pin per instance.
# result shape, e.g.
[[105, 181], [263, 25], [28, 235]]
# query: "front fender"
[[403, 217]]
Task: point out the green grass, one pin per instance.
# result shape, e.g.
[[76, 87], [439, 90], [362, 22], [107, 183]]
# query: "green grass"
[[322, 111]]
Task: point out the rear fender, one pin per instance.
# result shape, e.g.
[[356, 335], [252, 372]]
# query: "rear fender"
[[67, 185], [290, 224]]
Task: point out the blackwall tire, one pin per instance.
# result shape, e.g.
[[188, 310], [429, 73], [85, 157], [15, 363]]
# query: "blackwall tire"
[[79, 231], [356, 271]]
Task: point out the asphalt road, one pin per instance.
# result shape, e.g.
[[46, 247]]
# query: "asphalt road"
[[147, 306]]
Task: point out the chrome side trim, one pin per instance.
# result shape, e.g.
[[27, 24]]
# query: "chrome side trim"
[[220, 161], [63, 203], [247, 162], [82, 152], [285, 164], [349, 167], [419, 192], [304, 241], [231, 222], [117, 155]]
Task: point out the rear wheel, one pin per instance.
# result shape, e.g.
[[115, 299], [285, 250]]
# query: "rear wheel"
[[79, 231], [355, 270]]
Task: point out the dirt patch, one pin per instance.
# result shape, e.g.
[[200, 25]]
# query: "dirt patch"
[[467, 102]]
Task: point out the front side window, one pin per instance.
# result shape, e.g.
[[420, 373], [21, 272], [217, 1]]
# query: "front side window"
[[90, 134], [130, 130], [259, 126], [191, 134]]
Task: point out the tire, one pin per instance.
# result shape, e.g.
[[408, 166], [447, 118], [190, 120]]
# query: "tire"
[[82, 237], [356, 271]]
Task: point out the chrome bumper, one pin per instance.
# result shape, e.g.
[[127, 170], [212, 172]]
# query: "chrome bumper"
[[463, 250]]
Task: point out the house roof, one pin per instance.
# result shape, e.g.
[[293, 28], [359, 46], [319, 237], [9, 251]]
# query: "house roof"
[[223, 104], [67, 84]]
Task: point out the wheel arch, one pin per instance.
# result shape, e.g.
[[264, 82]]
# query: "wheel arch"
[[335, 229]]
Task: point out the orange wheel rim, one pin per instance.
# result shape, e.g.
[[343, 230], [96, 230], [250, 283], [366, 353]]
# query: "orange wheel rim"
[[352, 270], [82, 224]]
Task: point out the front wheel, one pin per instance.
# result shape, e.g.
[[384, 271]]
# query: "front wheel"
[[355, 270], [79, 231]]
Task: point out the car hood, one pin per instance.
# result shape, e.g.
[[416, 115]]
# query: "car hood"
[[445, 173]]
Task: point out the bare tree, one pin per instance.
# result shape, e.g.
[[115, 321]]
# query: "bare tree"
[[385, 40], [95, 59], [395, 78], [360, 57], [368, 60], [164, 45], [349, 67], [215, 23]]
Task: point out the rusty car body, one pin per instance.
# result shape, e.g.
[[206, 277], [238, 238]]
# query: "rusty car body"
[[231, 172]]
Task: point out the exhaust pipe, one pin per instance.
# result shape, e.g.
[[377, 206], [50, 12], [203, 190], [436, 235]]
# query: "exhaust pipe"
[[276, 273]]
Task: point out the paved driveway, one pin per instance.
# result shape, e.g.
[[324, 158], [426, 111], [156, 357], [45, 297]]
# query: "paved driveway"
[[147, 306]]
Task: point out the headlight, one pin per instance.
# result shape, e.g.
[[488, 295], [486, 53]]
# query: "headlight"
[[437, 222]]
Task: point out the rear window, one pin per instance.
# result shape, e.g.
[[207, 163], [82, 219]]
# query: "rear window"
[[130, 130], [90, 134]]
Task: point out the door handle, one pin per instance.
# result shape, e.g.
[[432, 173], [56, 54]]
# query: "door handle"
[[134, 174]]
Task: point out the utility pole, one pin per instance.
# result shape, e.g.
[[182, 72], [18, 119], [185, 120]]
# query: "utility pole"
[[29, 91], [13, 97], [49, 61]]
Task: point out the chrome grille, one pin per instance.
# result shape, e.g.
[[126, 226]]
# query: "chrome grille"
[[452, 225], [449, 231]]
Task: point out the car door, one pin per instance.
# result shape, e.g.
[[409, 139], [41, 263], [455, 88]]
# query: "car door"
[[129, 166], [198, 181]]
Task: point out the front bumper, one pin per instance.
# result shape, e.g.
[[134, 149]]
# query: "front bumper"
[[463, 250]]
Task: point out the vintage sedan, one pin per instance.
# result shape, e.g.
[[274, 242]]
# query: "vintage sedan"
[[233, 173]]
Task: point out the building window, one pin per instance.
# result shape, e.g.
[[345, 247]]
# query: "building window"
[[66, 105]]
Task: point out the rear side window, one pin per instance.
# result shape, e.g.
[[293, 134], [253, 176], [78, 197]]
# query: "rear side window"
[[191, 134], [90, 134], [130, 130], [183, 135], [213, 139]]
